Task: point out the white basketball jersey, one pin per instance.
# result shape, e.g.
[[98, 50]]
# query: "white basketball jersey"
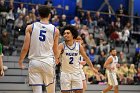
[[70, 58], [114, 63], [42, 39]]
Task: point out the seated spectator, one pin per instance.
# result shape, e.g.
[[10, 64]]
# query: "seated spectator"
[[18, 26], [101, 61], [100, 78], [122, 58], [137, 76], [91, 42], [89, 74], [104, 46], [63, 21], [92, 56], [131, 73], [124, 71], [5, 41], [84, 30]]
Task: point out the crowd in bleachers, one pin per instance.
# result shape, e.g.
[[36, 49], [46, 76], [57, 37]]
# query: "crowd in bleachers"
[[98, 32]]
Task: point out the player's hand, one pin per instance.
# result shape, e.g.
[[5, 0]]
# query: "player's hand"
[[21, 65], [82, 62], [2, 72], [57, 61]]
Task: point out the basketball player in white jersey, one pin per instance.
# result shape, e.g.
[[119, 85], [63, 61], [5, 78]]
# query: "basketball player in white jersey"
[[111, 65], [70, 51], [41, 40]]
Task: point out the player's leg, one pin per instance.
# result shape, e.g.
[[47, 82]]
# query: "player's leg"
[[51, 88], [115, 89], [35, 77], [107, 89], [48, 77], [65, 82], [84, 85], [77, 83]]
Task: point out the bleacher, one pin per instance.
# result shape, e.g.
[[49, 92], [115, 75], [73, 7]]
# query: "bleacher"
[[16, 80]]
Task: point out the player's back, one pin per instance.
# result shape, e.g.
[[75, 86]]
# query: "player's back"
[[42, 39]]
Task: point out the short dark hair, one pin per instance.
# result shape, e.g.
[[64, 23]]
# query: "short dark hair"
[[72, 29], [112, 49], [44, 11]]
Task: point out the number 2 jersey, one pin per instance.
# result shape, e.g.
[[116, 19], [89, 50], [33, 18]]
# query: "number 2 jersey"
[[70, 58], [42, 39]]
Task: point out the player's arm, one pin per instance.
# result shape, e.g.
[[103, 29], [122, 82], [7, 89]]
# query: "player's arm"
[[25, 46], [107, 63], [55, 45], [60, 50], [83, 53]]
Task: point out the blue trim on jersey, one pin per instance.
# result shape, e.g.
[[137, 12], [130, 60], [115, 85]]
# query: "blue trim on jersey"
[[64, 45], [73, 47], [54, 32], [70, 90], [32, 28], [36, 84]]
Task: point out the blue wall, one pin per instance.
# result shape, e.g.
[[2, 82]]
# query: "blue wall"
[[137, 6], [95, 4]]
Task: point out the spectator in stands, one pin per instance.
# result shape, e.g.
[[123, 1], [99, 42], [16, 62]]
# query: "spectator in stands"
[[48, 3], [21, 10], [126, 36], [85, 31], [3, 13], [104, 46], [10, 18], [124, 71], [5, 41], [122, 58], [101, 61], [82, 18], [121, 10], [55, 21], [75, 21], [137, 76], [91, 42], [63, 21], [131, 73], [18, 26], [136, 59], [92, 56], [100, 78], [89, 74]]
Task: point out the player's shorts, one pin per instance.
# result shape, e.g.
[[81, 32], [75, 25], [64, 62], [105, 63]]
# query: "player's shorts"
[[112, 78], [71, 81], [41, 73], [83, 75]]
